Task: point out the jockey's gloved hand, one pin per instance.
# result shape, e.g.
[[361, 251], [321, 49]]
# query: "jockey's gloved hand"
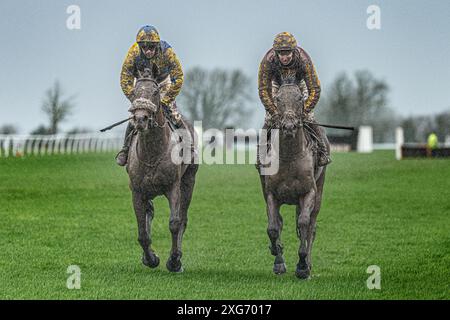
[[176, 117], [165, 107]]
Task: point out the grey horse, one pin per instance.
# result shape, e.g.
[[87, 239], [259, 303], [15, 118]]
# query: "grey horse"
[[153, 173], [299, 181]]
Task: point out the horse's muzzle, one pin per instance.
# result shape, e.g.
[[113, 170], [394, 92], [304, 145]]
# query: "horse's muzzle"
[[141, 122], [289, 126]]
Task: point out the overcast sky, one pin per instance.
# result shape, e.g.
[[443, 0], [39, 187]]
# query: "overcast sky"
[[411, 51]]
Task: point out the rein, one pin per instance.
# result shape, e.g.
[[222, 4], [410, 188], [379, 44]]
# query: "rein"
[[154, 123], [152, 109], [298, 125]]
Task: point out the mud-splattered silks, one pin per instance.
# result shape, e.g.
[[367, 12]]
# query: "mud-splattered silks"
[[300, 68], [165, 63]]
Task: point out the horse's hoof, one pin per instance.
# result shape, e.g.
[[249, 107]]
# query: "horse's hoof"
[[153, 262], [174, 266], [279, 268], [180, 270], [302, 273]]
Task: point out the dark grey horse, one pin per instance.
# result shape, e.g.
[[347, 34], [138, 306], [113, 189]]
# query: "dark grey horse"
[[299, 181], [152, 172]]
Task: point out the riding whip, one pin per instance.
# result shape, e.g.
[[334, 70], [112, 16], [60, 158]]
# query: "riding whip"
[[115, 124]]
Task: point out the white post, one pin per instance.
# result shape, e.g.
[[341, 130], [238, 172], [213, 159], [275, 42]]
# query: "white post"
[[70, 144], [47, 145], [36, 145], [86, 141], [59, 144], [51, 144], [365, 139], [7, 145], [447, 141], [399, 140], [77, 145], [18, 146], [96, 147], [28, 149]]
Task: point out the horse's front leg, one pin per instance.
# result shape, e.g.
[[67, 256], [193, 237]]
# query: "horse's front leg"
[[143, 208], [315, 212], [274, 232], [306, 206], [177, 223]]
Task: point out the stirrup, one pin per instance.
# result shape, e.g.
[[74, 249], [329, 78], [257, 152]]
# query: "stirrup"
[[326, 158]]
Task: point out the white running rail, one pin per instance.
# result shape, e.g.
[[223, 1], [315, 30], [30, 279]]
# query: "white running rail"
[[40, 145]]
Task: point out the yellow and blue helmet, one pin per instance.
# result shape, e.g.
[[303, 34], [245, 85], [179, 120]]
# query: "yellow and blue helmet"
[[284, 41], [147, 34]]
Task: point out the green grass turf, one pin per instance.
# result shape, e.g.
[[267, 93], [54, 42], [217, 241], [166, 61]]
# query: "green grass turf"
[[56, 211]]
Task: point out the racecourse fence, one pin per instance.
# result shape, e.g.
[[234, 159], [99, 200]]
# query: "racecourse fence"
[[40, 145], [359, 140], [416, 150], [419, 150]]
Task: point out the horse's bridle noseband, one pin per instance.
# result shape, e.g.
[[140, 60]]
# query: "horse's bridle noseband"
[[147, 105], [290, 114]]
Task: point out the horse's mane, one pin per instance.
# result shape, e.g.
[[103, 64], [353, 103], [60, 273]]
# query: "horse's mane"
[[288, 79]]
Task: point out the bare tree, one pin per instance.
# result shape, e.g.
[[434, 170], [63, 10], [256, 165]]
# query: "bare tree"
[[8, 129], [442, 125], [216, 97], [41, 130], [362, 101], [417, 128], [79, 130], [337, 105], [56, 108]]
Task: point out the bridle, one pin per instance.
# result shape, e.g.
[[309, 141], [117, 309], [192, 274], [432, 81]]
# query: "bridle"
[[151, 108], [147, 105], [289, 115]]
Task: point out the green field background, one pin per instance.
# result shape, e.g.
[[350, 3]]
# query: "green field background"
[[57, 211]]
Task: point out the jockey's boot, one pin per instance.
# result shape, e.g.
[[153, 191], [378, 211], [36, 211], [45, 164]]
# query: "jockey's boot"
[[267, 146], [324, 157], [322, 154], [173, 116], [122, 156]]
